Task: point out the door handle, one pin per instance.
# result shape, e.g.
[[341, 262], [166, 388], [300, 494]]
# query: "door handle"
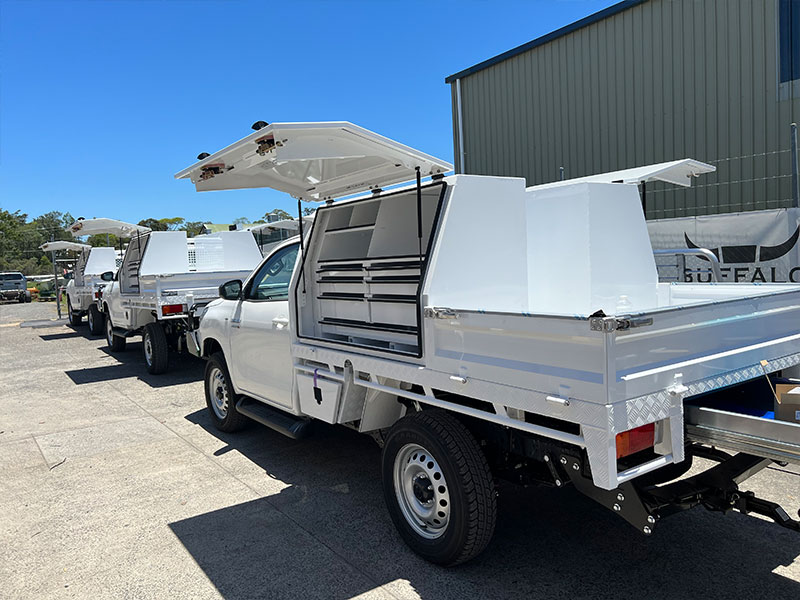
[[280, 323], [236, 323]]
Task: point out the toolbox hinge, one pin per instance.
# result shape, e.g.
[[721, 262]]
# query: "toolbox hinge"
[[620, 323]]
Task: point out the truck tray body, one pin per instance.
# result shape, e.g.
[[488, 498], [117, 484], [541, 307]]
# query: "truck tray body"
[[623, 351]]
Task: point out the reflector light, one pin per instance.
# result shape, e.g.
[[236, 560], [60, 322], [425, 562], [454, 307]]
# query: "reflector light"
[[636, 440], [171, 309]]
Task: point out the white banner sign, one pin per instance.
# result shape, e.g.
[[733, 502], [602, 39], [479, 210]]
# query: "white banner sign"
[[760, 246]]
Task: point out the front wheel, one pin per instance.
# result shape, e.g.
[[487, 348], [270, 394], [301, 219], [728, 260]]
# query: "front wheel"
[[220, 397], [438, 487], [95, 320]]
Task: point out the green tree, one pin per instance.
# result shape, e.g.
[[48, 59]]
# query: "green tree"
[[154, 224], [193, 228], [173, 223], [282, 214], [103, 239]]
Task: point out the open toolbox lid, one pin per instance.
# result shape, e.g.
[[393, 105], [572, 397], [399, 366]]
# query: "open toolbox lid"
[[288, 224], [83, 227], [312, 161], [678, 172], [63, 245]]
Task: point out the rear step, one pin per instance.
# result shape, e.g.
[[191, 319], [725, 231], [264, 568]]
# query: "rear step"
[[289, 425]]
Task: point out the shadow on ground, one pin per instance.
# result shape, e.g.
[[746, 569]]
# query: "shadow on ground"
[[182, 369], [60, 336], [548, 543]]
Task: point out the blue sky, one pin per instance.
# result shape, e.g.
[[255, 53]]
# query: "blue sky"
[[102, 102]]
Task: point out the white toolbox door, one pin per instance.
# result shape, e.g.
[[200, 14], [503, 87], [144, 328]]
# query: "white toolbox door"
[[312, 161]]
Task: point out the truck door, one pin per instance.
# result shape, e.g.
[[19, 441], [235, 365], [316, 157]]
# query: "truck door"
[[261, 360]]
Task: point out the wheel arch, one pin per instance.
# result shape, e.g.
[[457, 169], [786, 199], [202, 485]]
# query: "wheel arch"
[[210, 346]]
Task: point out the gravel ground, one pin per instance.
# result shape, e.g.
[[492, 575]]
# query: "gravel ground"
[[115, 485]]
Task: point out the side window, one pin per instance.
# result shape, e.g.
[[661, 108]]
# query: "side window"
[[272, 280]]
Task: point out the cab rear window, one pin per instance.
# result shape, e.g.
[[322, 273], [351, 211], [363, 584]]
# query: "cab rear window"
[[10, 277]]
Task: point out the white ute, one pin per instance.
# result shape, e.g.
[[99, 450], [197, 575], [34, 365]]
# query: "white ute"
[[85, 287], [164, 279], [479, 329]]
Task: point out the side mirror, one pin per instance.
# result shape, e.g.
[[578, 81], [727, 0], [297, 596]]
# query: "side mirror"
[[107, 276], [231, 290]]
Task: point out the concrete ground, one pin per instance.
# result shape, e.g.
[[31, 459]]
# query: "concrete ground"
[[113, 484]]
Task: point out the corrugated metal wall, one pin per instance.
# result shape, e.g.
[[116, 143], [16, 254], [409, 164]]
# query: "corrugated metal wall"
[[663, 80]]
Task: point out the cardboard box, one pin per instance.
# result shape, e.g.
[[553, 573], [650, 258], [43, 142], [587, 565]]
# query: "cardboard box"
[[787, 405]]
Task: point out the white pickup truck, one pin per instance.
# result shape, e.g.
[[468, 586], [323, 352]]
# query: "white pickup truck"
[[163, 280], [533, 344], [94, 268], [83, 289]]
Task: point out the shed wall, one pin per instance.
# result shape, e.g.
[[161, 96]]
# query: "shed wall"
[[663, 80]]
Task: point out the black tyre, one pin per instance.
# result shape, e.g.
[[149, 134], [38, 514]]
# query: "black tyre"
[[95, 320], [438, 487], [116, 343], [155, 348], [21, 299], [74, 318], [220, 397]]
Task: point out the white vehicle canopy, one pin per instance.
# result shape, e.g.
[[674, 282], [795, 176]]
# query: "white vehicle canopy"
[[64, 245], [83, 227], [312, 161]]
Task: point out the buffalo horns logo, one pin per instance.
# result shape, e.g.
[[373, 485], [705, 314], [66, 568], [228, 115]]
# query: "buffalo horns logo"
[[748, 253]]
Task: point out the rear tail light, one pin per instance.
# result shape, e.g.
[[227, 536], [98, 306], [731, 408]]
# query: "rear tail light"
[[172, 309], [96, 295], [636, 440]]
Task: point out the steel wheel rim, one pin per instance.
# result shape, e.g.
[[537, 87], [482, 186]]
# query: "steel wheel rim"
[[421, 491], [109, 332], [91, 318], [147, 343], [218, 392]]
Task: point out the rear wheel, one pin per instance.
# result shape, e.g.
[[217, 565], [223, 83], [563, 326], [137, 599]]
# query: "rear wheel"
[[95, 320], [220, 397], [438, 487], [155, 348], [115, 342], [74, 318]]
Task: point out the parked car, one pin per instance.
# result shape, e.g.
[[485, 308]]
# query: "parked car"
[[14, 286], [534, 345]]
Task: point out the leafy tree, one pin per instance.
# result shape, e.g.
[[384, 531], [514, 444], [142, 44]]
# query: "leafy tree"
[[309, 210], [154, 224], [193, 228], [103, 239], [282, 214], [173, 223], [241, 221]]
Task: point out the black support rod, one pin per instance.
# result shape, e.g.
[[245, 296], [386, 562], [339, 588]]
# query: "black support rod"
[[419, 210], [302, 243]]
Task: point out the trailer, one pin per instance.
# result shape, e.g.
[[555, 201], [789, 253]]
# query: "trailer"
[[539, 348], [164, 280]]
